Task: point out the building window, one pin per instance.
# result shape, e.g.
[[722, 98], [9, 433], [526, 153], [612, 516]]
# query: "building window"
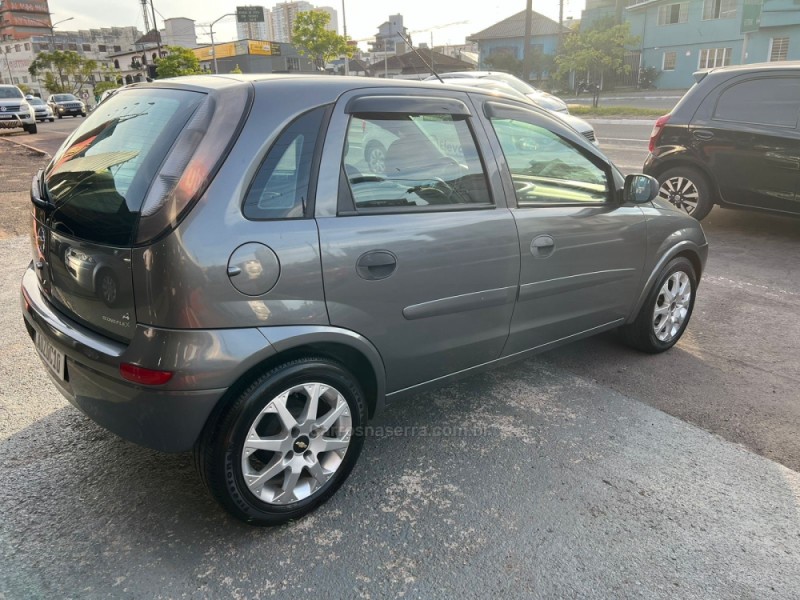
[[778, 49], [669, 14], [117, 48], [292, 64], [24, 79], [87, 47], [719, 9], [669, 61], [714, 57], [101, 48], [17, 48], [73, 47], [508, 50], [116, 63], [27, 46]]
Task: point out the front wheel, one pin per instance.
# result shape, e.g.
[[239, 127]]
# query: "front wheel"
[[666, 310], [285, 444], [688, 189]]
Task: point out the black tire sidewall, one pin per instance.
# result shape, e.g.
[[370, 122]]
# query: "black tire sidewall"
[[700, 181], [225, 451], [675, 265]]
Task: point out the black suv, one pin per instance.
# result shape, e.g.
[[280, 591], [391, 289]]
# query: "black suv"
[[732, 140]]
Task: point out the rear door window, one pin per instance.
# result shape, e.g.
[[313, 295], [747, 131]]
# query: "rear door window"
[[98, 181], [411, 162], [771, 101]]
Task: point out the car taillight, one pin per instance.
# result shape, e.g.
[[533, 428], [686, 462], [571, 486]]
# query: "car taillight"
[[138, 374], [657, 129], [193, 161]]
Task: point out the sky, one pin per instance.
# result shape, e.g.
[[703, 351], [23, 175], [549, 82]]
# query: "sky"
[[450, 21]]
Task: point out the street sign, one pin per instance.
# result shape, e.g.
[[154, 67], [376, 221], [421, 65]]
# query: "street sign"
[[249, 14], [751, 15]]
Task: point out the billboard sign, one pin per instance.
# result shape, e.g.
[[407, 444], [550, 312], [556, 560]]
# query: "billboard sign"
[[751, 15], [249, 14]]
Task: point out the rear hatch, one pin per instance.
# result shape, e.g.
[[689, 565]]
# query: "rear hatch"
[[112, 186]]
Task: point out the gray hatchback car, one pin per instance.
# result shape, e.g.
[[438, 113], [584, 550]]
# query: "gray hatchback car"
[[216, 268]]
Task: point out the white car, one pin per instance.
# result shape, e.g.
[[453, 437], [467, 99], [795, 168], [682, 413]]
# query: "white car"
[[15, 112], [495, 85], [41, 109]]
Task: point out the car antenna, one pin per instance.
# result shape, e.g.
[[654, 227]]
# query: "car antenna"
[[407, 41]]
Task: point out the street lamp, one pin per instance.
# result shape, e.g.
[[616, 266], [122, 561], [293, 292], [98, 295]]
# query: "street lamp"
[[211, 28]]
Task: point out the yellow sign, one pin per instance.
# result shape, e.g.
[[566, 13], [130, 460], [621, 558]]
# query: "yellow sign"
[[221, 50], [262, 48]]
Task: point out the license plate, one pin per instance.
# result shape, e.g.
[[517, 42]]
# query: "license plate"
[[51, 357]]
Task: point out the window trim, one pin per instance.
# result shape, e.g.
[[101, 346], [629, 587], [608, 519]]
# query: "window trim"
[[726, 53], [352, 208], [684, 9], [494, 109], [313, 178], [772, 47]]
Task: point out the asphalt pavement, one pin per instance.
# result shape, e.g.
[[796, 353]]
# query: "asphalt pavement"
[[48, 137], [581, 473]]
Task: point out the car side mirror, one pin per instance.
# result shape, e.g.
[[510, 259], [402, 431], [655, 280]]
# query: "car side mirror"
[[640, 189]]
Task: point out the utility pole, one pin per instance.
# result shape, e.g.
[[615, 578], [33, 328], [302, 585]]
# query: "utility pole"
[[526, 51], [211, 29], [560, 23], [155, 28], [344, 32]]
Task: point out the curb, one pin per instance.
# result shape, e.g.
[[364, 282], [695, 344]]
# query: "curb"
[[26, 146]]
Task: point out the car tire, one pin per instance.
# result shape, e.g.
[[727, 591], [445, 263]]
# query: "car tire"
[[680, 186], [51, 119], [265, 486], [666, 311], [31, 129], [375, 156], [60, 116]]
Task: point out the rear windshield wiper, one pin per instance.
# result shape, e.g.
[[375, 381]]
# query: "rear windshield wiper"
[[39, 195]]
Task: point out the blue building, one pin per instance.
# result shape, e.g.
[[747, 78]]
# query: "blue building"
[[508, 37], [680, 37]]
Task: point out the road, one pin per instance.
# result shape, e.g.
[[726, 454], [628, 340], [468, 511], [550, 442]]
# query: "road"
[[49, 135], [591, 471]]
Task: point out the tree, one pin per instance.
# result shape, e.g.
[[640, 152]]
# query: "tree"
[[63, 72], [177, 63], [597, 51], [505, 62], [311, 38], [104, 86]]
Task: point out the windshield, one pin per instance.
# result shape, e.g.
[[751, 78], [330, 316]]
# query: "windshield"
[[64, 98], [99, 178], [10, 92], [35, 101]]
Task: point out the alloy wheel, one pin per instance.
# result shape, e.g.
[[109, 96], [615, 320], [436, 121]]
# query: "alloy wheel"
[[681, 192], [672, 306], [296, 443]]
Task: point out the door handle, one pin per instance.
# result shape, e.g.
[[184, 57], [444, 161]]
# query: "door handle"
[[376, 264], [703, 135], [543, 246]]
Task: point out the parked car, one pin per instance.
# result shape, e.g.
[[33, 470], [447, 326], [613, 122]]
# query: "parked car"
[[537, 96], [64, 105], [485, 83], [41, 109], [15, 112], [733, 140], [280, 293]]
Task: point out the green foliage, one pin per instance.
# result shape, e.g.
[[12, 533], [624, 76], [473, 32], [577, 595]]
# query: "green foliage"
[[179, 62], [648, 76], [63, 72], [25, 89], [236, 70], [505, 62], [540, 63], [311, 38], [104, 86], [598, 50]]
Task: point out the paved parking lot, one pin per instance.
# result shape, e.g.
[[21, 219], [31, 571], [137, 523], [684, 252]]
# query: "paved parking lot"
[[590, 472]]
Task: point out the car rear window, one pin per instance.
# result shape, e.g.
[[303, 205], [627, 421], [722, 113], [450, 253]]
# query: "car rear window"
[[763, 101], [99, 178]]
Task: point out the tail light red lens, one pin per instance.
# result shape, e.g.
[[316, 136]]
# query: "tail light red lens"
[[658, 128], [143, 376]]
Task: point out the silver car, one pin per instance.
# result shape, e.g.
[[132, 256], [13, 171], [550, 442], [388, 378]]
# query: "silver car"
[[274, 292], [41, 109]]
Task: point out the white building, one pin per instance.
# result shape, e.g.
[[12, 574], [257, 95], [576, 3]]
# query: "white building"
[[179, 31], [283, 17], [256, 31]]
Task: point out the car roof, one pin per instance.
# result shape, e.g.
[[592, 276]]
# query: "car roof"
[[792, 65]]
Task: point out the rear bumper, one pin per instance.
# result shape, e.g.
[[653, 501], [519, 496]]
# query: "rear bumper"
[[169, 417]]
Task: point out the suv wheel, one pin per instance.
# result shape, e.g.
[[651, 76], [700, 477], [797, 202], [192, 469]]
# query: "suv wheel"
[[31, 128], [688, 189], [286, 443], [666, 311]]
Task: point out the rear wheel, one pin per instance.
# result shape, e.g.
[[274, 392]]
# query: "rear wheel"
[[51, 119], [30, 128], [375, 155], [286, 443], [60, 116], [688, 189], [666, 310]]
